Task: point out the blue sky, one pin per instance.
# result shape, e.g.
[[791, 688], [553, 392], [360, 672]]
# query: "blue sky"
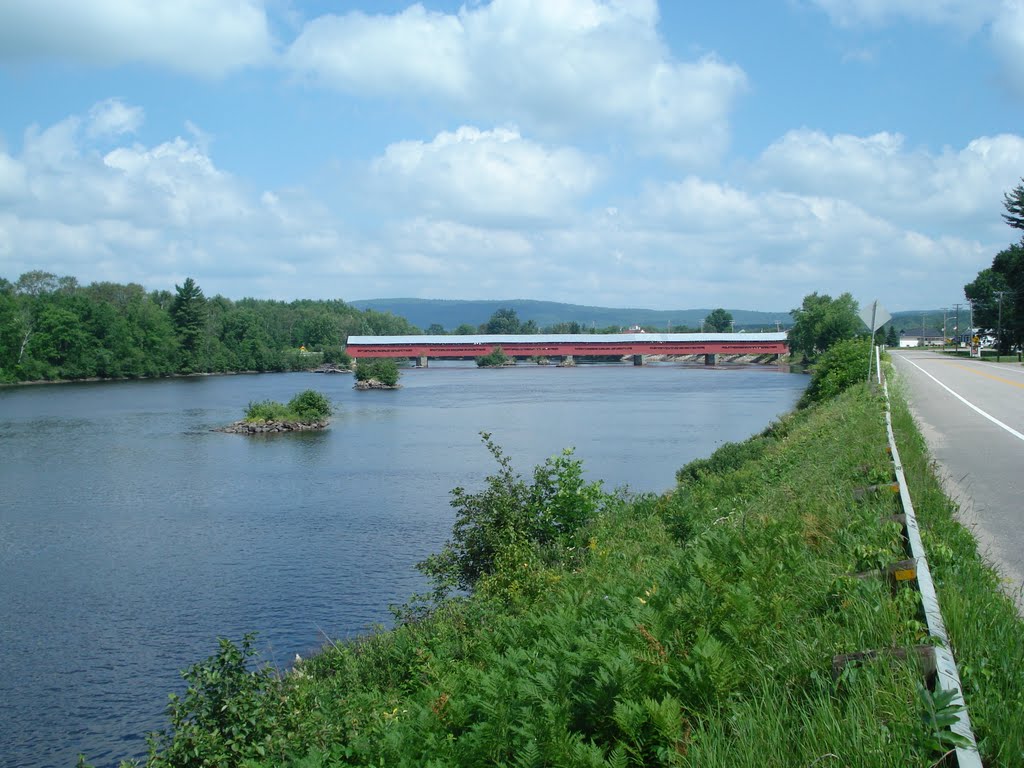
[[608, 152]]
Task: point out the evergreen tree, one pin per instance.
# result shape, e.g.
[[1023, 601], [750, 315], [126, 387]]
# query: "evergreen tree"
[[892, 339], [189, 313], [1013, 201]]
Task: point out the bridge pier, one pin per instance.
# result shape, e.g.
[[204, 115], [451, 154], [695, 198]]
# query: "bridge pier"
[[423, 361], [710, 359], [638, 359]]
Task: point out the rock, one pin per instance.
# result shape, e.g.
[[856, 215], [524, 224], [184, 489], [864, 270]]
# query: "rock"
[[375, 384], [331, 368], [261, 427]]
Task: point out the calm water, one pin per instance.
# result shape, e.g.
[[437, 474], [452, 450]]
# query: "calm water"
[[131, 536]]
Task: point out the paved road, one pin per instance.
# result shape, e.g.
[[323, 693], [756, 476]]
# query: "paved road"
[[972, 417]]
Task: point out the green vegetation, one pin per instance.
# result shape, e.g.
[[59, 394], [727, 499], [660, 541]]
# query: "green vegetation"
[[570, 626], [382, 369], [52, 328], [997, 293], [718, 321], [494, 359], [820, 322], [306, 407], [844, 364]]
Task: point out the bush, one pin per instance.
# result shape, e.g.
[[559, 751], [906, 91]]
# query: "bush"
[[494, 359], [843, 365], [512, 516], [727, 458], [310, 406], [305, 407], [383, 369]]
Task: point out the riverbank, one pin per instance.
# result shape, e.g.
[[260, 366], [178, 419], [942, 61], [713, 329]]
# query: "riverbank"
[[695, 627]]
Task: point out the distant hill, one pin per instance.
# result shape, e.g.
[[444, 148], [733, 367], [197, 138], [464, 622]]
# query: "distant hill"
[[452, 313], [931, 320]]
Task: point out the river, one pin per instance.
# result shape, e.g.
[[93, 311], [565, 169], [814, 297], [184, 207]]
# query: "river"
[[132, 536]]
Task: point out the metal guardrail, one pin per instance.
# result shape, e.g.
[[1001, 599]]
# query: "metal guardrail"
[[947, 677]]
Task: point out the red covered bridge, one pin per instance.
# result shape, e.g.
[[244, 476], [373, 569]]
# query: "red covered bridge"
[[568, 345]]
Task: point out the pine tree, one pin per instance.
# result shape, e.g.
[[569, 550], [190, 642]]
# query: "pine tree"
[[1013, 201], [189, 313]]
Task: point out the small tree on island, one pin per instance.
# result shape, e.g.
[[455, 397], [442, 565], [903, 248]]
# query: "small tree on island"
[[382, 369], [495, 359], [305, 408]]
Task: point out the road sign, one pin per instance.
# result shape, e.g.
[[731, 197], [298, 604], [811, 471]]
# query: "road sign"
[[874, 315]]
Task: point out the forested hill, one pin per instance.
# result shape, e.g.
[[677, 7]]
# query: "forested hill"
[[53, 328], [450, 314]]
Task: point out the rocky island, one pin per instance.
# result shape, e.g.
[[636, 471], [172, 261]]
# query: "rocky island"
[[306, 411]]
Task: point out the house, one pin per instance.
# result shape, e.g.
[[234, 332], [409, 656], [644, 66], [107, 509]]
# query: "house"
[[923, 337]]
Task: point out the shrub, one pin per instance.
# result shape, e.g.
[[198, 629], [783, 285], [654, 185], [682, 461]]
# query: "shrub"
[[310, 406], [727, 458], [843, 365], [512, 516], [266, 410], [494, 359], [305, 407], [383, 369]]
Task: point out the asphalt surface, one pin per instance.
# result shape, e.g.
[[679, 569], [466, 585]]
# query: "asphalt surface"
[[972, 416]]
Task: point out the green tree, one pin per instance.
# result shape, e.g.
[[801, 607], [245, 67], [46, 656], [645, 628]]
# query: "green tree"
[[821, 321], [892, 338], [503, 321], [436, 329], [189, 313], [1013, 201], [718, 321], [383, 369], [983, 293], [465, 329]]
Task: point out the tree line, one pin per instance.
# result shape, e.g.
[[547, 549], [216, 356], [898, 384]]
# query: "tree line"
[[52, 328], [997, 293]]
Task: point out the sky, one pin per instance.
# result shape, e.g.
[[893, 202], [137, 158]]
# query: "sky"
[[622, 153]]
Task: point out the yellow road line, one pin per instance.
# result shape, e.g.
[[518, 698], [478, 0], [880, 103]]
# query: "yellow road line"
[[986, 375]]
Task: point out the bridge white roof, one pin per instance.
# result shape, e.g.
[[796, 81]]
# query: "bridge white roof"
[[568, 338]]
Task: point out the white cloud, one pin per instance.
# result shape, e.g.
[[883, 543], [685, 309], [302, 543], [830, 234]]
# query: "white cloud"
[[491, 214], [576, 65], [1008, 42], [113, 118], [415, 49], [961, 188], [494, 175], [203, 37]]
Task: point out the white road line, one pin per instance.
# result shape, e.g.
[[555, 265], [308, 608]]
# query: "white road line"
[[967, 402]]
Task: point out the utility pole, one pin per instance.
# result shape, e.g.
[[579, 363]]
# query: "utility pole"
[[956, 328], [999, 332]]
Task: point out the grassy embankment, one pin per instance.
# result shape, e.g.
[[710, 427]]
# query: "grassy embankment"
[[692, 628]]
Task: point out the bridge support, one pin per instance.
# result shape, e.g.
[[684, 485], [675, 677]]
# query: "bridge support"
[[710, 359], [423, 361], [638, 359]]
